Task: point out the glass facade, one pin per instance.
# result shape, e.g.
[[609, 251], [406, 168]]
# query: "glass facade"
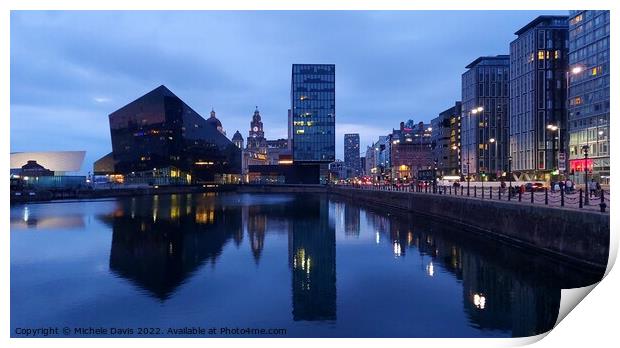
[[313, 111], [485, 88], [588, 93], [158, 133], [538, 65]]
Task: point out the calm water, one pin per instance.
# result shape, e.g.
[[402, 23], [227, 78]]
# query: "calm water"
[[312, 264]]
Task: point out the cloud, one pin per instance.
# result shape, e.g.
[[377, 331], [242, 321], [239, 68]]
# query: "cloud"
[[70, 69]]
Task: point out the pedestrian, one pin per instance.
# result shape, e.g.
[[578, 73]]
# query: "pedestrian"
[[556, 186], [592, 187], [553, 183], [569, 185]]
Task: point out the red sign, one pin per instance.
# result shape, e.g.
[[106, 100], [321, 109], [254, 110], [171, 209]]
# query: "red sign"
[[579, 165]]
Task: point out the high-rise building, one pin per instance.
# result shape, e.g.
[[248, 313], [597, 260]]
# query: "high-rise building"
[[352, 152], [313, 114], [446, 141], [588, 94], [484, 117], [538, 65]]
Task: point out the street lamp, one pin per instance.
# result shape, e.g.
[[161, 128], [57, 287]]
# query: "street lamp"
[[585, 149], [494, 141], [510, 175], [556, 128]]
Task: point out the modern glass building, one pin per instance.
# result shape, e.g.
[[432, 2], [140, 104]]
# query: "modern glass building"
[[352, 152], [538, 65], [159, 139], [588, 94], [313, 114], [484, 117]]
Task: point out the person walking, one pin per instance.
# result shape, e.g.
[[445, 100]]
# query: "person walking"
[[569, 186], [592, 187]]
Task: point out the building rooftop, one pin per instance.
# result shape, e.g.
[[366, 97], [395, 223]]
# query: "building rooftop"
[[558, 21], [496, 58], [57, 161]]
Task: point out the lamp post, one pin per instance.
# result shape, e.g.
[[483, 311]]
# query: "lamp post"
[[585, 149], [555, 128], [493, 141], [510, 175], [475, 111]]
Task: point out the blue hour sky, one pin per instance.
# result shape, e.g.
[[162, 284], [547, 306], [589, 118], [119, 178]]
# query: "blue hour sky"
[[69, 70]]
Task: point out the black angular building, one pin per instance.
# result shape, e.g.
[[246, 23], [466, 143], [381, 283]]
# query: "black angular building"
[[161, 140]]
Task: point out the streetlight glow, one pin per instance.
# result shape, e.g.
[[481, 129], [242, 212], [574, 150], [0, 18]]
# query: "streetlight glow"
[[576, 70], [492, 140]]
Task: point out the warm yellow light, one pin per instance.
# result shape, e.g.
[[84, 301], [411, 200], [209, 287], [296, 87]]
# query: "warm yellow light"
[[203, 163], [285, 162]]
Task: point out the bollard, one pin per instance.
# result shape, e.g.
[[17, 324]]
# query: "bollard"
[[490, 193], [580, 198], [602, 204], [461, 190], [546, 196], [450, 190], [532, 196], [519, 195], [475, 190], [499, 194], [562, 197]]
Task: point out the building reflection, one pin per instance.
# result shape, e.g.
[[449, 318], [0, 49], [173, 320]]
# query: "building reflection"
[[312, 259], [501, 291], [160, 241], [44, 218]]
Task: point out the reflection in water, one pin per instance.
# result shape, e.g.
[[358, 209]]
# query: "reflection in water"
[[282, 245], [501, 290], [158, 245], [312, 257]]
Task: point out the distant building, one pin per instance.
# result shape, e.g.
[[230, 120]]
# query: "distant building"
[[158, 139], [47, 170], [538, 66], [277, 151], [313, 114], [588, 94], [370, 160], [446, 141], [338, 170], [484, 117], [352, 152], [410, 150], [363, 165]]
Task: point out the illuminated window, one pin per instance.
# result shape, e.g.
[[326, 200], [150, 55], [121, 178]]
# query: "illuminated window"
[[299, 131], [557, 54], [541, 55]]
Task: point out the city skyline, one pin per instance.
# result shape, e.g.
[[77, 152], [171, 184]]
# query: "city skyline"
[[92, 85]]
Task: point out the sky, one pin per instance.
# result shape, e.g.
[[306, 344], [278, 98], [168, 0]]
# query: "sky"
[[71, 69]]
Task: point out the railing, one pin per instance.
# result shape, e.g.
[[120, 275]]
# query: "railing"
[[578, 199]]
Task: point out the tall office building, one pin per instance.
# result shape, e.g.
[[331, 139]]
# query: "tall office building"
[[538, 65], [484, 117], [352, 153], [313, 114], [446, 141], [588, 94]]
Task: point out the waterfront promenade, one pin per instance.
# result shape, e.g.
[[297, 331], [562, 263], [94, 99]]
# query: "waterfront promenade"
[[556, 199]]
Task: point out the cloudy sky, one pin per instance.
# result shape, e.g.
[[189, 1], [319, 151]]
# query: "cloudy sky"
[[69, 70]]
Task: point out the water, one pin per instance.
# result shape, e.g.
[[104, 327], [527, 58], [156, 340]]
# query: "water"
[[314, 265]]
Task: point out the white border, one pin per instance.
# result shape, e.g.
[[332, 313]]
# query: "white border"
[[592, 323]]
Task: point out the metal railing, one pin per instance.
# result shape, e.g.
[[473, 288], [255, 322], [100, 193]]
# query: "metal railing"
[[598, 200]]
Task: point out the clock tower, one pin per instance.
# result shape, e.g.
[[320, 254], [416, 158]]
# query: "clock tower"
[[256, 138]]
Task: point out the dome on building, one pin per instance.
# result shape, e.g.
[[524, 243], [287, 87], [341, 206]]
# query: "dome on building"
[[237, 136], [213, 121]]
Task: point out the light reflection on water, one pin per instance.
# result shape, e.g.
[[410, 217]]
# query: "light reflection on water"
[[315, 265]]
